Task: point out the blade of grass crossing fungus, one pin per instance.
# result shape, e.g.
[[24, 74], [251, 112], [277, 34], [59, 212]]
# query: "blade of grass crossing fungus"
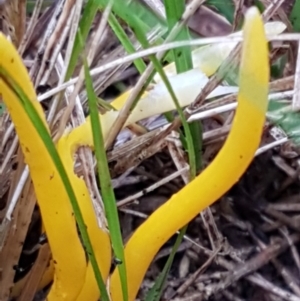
[[108, 196]]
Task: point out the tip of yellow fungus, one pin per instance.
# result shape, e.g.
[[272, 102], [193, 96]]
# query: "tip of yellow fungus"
[[252, 12]]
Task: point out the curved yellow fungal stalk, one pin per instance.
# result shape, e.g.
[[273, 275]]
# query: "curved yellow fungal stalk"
[[221, 174], [67, 147], [67, 252]]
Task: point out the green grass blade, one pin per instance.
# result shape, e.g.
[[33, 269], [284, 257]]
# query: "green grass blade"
[[47, 140], [134, 10], [225, 8], [107, 192], [182, 56], [125, 41], [155, 292], [295, 16]]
